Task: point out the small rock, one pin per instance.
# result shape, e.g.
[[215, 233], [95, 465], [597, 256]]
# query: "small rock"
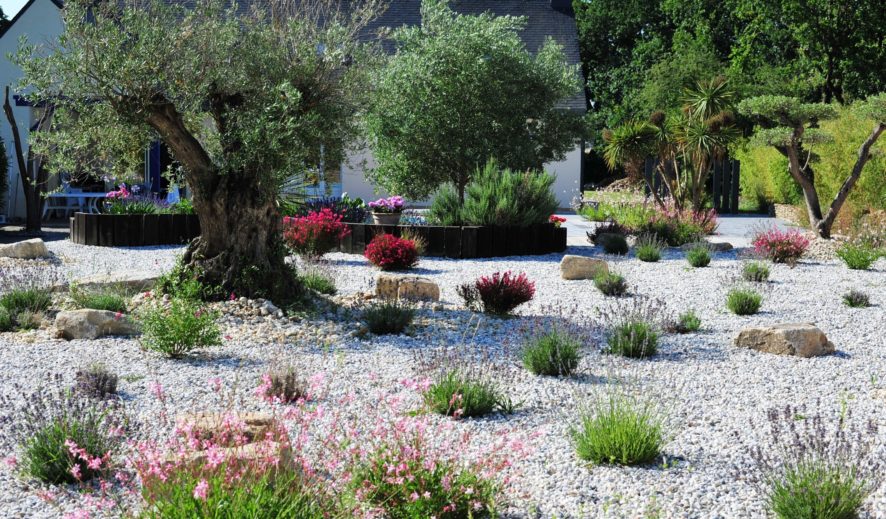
[[799, 339], [28, 249], [412, 288], [580, 267], [134, 280], [92, 324]]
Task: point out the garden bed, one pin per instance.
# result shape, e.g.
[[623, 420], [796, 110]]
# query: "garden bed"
[[133, 230], [468, 241]]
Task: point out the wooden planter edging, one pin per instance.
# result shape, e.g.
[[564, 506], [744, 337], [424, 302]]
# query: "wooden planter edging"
[[466, 242], [133, 230]]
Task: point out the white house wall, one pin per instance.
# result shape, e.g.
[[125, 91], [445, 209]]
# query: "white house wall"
[[41, 23], [568, 172]]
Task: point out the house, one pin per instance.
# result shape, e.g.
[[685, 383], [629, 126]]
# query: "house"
[[40, 20]]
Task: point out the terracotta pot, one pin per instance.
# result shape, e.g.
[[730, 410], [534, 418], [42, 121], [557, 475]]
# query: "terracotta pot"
[[386, 218]]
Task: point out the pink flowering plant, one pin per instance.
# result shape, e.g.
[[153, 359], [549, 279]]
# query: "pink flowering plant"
[[780, 246], [499, 293], [315, 234], [394, 204]]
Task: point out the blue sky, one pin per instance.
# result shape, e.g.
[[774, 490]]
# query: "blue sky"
[[10, 7]]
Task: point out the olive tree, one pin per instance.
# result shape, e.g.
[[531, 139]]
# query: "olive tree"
[[461, 90], [791, 127], [243, 98]]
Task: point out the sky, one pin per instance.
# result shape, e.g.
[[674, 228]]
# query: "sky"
[[10, 7]]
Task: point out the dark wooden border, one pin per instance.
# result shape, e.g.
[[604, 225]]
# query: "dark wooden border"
[[133, 230], [466, 242]]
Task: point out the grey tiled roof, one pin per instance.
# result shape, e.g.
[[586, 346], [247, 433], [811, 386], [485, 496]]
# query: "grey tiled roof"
[[542, 21]]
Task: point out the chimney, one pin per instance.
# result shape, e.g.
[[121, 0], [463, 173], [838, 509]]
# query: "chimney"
[[563, 6]]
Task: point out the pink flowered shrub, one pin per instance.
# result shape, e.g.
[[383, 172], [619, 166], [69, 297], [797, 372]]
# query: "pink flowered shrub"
[[315, 234], [389, 252], [499, 293], [780, 246]]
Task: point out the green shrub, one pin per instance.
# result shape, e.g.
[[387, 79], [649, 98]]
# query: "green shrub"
[[674, 232], [260, 494], [817, 489], [687, 322], [618, 431], [648, 248], [755, 272], [497, 196], [6, 321], [183, 283], [856, 299], [110, 300], [699, 256], [633, 338], [388, 317], [553, 353], [179, 329], [857, 256], [743, 301], [318, 282], [613, 243], [611, 284], [464, 394]]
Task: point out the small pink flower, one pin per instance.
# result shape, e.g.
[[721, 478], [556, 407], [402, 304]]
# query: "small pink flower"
[[201, 489], [118, 316], [11, 461], [75, 471]]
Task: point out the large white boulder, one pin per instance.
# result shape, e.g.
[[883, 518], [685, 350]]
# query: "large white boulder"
[[92, 324]]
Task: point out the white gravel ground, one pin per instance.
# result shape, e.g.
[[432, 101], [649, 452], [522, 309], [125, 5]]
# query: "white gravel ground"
[[714, 394]]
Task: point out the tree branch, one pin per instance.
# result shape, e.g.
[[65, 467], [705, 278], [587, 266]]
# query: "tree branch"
[[864, 154]]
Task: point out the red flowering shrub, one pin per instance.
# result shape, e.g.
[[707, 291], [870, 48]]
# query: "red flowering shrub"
[[315, 234], [498, 293], [780, 246], [389, 252]]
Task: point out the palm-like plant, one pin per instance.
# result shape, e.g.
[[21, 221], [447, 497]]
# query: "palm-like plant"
[[628, 146]]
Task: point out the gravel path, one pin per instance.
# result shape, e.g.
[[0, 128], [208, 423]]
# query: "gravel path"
[[715, 395]]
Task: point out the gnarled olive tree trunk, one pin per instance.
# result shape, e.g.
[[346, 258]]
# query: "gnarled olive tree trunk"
[[240, 247]]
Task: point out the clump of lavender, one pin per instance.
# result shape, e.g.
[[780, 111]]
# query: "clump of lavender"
[[813, 467], [96, 380], [59, 436]]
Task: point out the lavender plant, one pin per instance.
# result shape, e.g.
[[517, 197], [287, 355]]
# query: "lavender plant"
[[96, 380], [59, 436], [814, 467], [633, 328]]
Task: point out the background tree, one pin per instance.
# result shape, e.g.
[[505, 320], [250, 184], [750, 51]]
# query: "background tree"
[[242, 99], [31, 165], [463, 89], [791, 126]]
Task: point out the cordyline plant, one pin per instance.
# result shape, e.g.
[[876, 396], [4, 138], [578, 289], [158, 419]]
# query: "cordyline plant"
[[791, 127], [242, 97]]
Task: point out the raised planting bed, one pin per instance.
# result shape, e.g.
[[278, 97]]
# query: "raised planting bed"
[[466, 242], [133, 230]]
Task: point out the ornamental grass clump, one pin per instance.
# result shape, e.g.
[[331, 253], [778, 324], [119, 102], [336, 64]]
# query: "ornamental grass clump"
[[110, 300], [780, 246], [699, 255], [607, 227], [498, 294], [179, 328], [857, 256], [856, 299], [611, 284], [465, 394], [755, 272], [24, 307], [648, 248], [619, 430], [388, 317], [318, 280], [60, 437], [816, 467], [633, 328], [389, 252], [687, 322], [743, 301], [556, 352], [314, 234], [282, 384]]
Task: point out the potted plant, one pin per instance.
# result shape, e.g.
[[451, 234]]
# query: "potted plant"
[[387, 211]]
